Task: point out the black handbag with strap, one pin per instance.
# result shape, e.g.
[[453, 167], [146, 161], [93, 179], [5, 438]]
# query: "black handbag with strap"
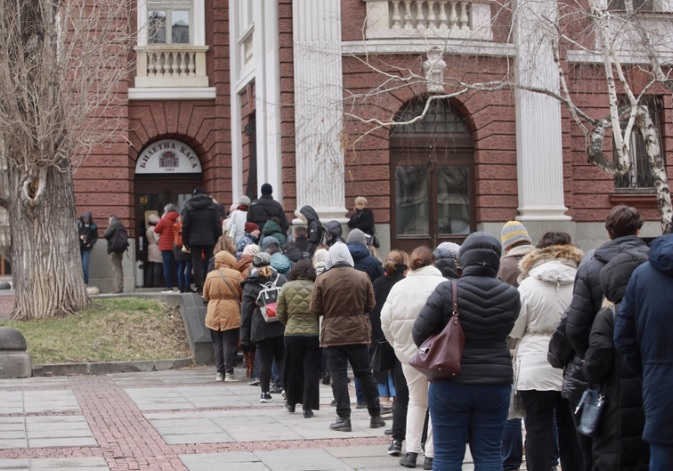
[[383, 356]]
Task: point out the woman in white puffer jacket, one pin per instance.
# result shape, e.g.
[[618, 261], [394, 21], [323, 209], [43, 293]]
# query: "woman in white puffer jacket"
[[405, 301], [546, 289]]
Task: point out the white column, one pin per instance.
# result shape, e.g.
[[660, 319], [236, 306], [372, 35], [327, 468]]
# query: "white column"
[[267, 96], [538, 117], [318, 107]]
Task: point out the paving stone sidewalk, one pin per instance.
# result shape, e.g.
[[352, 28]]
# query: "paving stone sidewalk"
[[175, 420]]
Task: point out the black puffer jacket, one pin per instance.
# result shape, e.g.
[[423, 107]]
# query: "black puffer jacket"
[[619, 446], [264, 208], [588, 294], [201, 222], [314, 228], [488, 308], [253, 326], [562, 355], [382, 287]]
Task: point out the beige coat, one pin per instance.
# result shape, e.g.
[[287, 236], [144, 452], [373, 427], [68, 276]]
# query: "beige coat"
[[222, 290]]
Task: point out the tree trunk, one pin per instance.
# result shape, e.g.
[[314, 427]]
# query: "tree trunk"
[[46, 265]]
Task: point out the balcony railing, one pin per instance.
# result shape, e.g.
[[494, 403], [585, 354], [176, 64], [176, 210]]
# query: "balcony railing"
[[461, 19], [171, 66]]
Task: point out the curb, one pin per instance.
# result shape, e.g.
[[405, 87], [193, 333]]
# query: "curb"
[[67, 369]]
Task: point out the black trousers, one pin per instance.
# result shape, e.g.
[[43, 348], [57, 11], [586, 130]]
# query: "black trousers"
[[541, 406], [301, 371], [401, 403], [269, 350], [225, 347], [338, 358], [199, 264]]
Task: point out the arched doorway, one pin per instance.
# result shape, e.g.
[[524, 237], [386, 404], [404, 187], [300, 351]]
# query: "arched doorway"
[[167, 171], [432, 176]]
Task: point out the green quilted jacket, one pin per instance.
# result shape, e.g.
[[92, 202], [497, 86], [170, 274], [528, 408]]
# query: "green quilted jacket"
[[293, 308]]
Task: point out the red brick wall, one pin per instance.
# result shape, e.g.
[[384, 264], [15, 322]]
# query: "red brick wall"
[[287, 123]]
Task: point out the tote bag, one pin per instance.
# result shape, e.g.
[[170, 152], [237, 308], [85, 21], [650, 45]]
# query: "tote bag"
[[440, 355]]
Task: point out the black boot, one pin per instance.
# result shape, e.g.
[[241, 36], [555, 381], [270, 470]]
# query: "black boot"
[[409, 460], [341, 424]]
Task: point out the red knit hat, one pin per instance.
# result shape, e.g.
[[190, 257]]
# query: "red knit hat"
[[250, 227]]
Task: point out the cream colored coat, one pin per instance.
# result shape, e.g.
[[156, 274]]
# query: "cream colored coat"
[[546, 291], [404, 303]]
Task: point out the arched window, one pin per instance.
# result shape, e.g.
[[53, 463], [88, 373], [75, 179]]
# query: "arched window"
[[432, 165]]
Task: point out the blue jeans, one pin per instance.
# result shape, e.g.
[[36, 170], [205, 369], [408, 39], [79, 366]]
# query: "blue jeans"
[[512, 445], [168, 259], [85, 253], [462, 411], [184, 275], [387, 389], [661, 457]]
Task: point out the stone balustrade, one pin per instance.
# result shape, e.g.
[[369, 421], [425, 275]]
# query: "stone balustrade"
[[446, 19], [171, 66]]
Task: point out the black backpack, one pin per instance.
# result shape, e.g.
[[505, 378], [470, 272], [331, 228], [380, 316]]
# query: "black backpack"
[[120, 240]]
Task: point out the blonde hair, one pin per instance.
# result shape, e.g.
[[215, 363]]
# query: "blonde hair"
[[361, 199], [225, 243], [265, 271], [394, 258]]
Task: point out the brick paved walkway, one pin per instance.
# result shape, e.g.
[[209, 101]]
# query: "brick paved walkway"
[[175, 420]]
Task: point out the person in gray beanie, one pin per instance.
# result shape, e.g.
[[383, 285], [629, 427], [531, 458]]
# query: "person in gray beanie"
[[357, 246]]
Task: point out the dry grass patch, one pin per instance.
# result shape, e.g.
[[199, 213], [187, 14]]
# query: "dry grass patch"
[[113, 329]]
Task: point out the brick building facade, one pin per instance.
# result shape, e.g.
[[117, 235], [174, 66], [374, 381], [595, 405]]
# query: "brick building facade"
[[286, 92]]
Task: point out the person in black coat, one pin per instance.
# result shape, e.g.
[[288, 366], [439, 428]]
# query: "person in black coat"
[[201, 227], [622, 224], [395, 268], [313, 226], [265, 207], [619, 446], [643, 333], [476, 399], [267, 337], [363, 219]]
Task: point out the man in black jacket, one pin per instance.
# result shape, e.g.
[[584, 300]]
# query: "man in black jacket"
[[266, 207], [201, 227], [623, 224]]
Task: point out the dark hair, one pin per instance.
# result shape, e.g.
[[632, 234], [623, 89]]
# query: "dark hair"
[[554, 238], [300, 231], [199, 190], [394, 258], [303, 270], [623, 221], [421, 257]]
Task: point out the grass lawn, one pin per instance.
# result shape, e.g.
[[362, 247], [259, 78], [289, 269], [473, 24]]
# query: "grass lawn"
[[113, 329]]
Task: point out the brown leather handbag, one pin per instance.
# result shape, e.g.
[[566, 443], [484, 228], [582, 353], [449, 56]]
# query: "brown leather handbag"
[[440, 355]]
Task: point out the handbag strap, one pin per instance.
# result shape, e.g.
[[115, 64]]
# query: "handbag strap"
[[454, 286], [230, 288]]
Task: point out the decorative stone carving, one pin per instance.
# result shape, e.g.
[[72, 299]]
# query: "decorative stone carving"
[[434, 67]]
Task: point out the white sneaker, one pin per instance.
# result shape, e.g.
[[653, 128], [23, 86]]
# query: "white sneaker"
[[229, 378], [219, 378]]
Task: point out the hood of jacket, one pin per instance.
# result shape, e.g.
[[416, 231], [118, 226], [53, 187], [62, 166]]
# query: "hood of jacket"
[[358, 251], [86, 215], [555, 264], [309, 213], [338, 254], [615, 275], [616, 246], [281, 263], [200, 202], [661, 254], [480, 255], [271, 227], [224, 259]]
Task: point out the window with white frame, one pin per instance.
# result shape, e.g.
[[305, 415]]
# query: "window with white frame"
[[639, 177], [169, 22]]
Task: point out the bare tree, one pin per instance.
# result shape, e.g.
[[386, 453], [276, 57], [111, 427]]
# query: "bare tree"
[[63, 63], [617, 42]]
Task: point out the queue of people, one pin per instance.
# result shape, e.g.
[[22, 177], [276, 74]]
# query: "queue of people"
[[542, 323]]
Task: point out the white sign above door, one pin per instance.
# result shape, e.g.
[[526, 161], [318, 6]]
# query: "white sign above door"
[[168, 156]]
